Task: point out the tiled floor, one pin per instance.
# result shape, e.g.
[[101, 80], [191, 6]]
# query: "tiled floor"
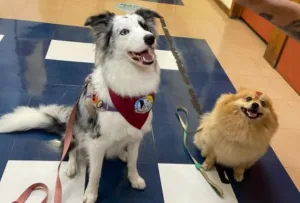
[[35, 66]]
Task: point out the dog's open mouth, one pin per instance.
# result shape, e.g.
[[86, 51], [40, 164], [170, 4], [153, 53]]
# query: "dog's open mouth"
[[146, 57], [252, 114]]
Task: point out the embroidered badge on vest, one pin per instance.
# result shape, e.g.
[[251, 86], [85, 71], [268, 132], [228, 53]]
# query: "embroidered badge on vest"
[[133, 109], [144, 104]]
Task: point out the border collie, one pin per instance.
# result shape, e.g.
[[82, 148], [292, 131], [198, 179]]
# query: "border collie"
[[115, 107]]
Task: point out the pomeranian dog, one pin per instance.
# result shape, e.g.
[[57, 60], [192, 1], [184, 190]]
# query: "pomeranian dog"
[[238, 131]]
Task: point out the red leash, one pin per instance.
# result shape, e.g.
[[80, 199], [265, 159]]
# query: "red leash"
[[58, 187]]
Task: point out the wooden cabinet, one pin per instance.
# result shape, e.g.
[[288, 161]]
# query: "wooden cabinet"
[[260, 25], [282, 52], [289, 64]]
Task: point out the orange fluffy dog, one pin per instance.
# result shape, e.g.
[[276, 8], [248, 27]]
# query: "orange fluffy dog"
[[238, 130]]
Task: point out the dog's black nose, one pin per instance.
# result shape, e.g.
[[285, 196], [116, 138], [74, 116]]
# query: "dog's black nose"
[[254, 106], [149, 39]]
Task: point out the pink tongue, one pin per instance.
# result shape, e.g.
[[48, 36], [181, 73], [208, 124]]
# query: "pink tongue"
[[146, 56], [252, 114]]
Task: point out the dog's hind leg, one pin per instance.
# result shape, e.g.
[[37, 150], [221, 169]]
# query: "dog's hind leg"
[[239, 173], [136, 180]]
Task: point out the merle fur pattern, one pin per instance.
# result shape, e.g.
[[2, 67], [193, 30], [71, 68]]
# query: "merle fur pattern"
[[99, 134]]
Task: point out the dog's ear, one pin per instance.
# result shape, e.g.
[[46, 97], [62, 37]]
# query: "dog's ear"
[[147, 14], [101, 25], [102, 19], [149, 17]]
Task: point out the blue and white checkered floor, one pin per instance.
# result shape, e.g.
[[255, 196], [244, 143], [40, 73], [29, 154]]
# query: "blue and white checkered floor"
[[45, 63]]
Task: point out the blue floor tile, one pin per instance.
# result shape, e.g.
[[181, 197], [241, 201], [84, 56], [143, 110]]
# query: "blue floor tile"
[[162, 43], [207, 105], [31, 145], [12, 47], [213, 76], [266, 181], [61, 95], [196, 55], [147, 153], [211, 91], [115, 186], [6, 145], [12, 97], [27, 29], [42, 147], [7, 26], [22, 64], [168, 134], [67, 73], [71, 33]]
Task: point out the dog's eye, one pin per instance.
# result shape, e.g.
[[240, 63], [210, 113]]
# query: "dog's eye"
[[263, 103], [144, 26], [248, 99], [124, 32]]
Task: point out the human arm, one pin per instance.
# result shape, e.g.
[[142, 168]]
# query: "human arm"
[[284, 14]]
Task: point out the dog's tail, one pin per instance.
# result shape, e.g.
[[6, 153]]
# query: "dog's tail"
[[52, 118]]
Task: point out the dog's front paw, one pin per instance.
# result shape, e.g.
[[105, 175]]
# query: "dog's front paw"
[[90, 197], [207, 166], [138, 183], [239, 177], [71, 169]]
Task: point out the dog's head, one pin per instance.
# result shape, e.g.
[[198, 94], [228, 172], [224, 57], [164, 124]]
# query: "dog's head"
[[254, 104], [131, 36]]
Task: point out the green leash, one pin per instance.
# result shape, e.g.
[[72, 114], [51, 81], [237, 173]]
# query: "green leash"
[[198, 166]]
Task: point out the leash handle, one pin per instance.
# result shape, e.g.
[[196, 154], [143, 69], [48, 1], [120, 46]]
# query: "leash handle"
[[184, 125], [36, 186], [58, 187]]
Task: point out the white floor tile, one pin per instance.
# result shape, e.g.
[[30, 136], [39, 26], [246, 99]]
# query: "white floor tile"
[[18, 175], [71, 51], [166, 60], [184, 183], [84, 52]]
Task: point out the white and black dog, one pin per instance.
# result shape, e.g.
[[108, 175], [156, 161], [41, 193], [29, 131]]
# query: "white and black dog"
[[114, 110]]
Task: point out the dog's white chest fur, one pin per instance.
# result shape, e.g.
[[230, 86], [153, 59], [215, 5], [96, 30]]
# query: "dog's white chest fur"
[[126, 64]]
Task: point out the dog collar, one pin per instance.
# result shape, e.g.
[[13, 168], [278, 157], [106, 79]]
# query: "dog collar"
[[135, 110]]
